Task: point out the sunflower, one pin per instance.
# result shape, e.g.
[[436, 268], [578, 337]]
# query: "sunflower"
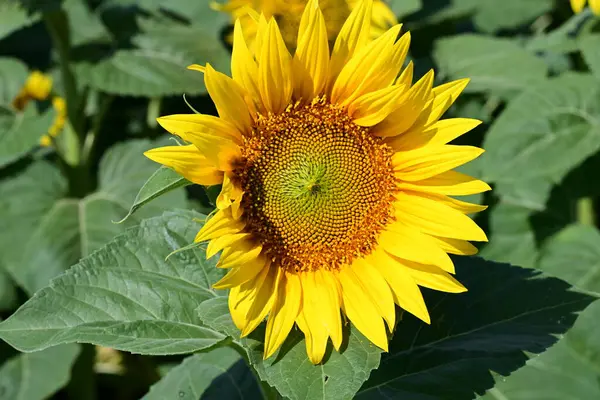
[[37, 87], [578, 6], [336, 178], [287, 14]]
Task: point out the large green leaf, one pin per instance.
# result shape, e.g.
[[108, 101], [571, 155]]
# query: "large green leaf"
[[514, 13], [37, 376], [289, 370], [21, 132], [499, 66], [14, 17], [157, 67], [571, 369], [506, 312], [45, 232], [544, 132], [13, 74], [589, 46], [405, 7], [126, 295], [161, 182], [218, 374]]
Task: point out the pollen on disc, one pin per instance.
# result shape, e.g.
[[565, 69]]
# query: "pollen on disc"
[[317, 188]]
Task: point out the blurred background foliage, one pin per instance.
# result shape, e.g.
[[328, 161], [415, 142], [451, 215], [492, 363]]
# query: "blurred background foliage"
[[119, 64]]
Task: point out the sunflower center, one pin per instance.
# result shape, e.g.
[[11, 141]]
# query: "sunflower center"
[[317, 187], [289, 13]]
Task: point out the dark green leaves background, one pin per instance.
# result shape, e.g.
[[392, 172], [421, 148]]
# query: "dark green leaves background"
[[69, 273]]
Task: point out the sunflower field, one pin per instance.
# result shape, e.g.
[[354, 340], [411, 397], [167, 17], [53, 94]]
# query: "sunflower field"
[[299, 199]]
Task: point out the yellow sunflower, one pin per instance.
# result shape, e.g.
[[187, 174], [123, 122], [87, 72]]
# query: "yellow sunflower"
[[37, 86], [336, 178], [287, 14], [579, 5]]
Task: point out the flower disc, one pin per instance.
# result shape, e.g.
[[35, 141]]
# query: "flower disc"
[[319, 188]]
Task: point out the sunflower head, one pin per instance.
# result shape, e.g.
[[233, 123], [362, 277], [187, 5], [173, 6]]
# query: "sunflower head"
[[336, 177], [288, 13], [579, 5]]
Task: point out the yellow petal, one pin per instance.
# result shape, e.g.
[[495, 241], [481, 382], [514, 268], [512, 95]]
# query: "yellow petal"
[[368, 70], [408, 243], [274, 71], [353, 36], [443, 97], [187, 126], [441, 132], [378, 290], [459, 205], [372, 108], [450, 183], [284, 312], [241, 274], [436, 218], [408, 108], [406, 77], [360, 309], [244, 69], [188, 162], [220, 224], [262, 301], [315, 337], [197, 67], [321, 301], [595, 6], [578, 5], [311, 60], [218, 244], [229, 193], [425, 162], [433, 278], [455, 246], [406, 292], [243, 252], [228, 97]]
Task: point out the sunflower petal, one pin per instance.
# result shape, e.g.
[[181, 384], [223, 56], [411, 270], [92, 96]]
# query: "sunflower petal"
[[311, 60], [188, 162], [187, 126], [406, 292], [315, 337], [353, 36], [284, 312], [262, 301], [360, 309], [433, 278], [241, 274], [218, 244], [425, 162], [443, 97], [244, 69], [441, 132], [274, 70], [228, 97], [455, 246], [450, 183], [222, 223], [373, 284], [243, 252], [372, 108], [436, 218]]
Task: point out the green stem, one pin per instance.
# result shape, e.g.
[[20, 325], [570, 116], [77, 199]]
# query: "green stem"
[[585, 211], [90, 139], [58, 26]]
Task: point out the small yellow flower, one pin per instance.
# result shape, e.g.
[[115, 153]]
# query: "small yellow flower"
[[337, 180], [60, 107], [37, 86], [287, 13], [579, 5]]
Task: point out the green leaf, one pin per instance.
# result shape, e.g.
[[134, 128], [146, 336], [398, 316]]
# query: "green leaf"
[[13, 74], [506, 312], [514, 13], [38, 375], [21, 132], [589, 46], [402, 8], [14, 17], [161, 182], [290, 370], [85, 26], [571, 369], [544, 132], [157, 67], [499, 66], [45, 232], [218, 374], [126, 295], [8, 292]]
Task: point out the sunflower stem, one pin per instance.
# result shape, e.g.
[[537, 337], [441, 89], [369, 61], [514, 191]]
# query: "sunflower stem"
[[585, 211]]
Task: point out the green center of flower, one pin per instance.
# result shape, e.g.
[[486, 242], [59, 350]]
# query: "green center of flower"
[[317, 187]]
